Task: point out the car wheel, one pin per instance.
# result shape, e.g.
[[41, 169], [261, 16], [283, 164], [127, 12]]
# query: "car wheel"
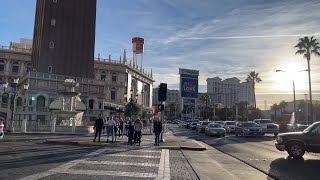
[[296, 150], [275, 134]]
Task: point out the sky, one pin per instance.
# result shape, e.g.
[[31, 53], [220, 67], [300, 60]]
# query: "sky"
[[226, 38]]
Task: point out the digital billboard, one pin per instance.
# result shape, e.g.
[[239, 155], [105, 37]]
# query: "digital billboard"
[[189, 87]]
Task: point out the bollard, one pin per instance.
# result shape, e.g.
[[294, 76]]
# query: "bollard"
[[24, 126], [1, 130]]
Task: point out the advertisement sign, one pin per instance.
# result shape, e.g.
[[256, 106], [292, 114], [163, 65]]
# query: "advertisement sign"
[[137, 45], [189, 87]]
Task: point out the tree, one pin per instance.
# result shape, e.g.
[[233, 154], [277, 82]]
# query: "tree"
[[243, 109], [132, 109], [275, 108], [206, 98], [254, 78], [307, 47], [255, 113], [282, 106], [169, 110]]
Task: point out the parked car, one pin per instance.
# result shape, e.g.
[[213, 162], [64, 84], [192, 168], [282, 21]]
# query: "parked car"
[[202, 126], [193, 125], [248, 128], [191, 121], [230, 126], [268, 126], [187, 125], [214, 129], [297, 143]]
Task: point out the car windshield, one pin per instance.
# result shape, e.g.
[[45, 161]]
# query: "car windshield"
[[265, 121], [205, 123], [231, 123], [308, 129], [215, 125], [250, 125], [194, 123]]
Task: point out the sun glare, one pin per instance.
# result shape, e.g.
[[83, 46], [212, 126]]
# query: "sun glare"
[[283, 79]]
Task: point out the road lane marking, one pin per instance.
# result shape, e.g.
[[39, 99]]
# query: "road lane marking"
[[164, 166], [38, 175]]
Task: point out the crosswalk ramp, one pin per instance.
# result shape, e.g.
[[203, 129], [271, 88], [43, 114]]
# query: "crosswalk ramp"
[[113, 163]]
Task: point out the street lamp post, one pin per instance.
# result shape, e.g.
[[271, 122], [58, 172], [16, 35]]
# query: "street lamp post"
[[13, 98], [294, 94]]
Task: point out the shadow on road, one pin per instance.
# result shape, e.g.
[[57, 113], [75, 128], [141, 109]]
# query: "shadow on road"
[[289, 168]]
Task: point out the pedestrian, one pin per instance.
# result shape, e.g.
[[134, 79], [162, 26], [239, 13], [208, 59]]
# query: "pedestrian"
[[98, 127], [110, 128], [121, 127], [130, 132], [138, 128], [116, 128], [157, 129]]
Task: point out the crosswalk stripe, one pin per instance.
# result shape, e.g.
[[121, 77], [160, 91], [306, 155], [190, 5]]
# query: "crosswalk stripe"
[[120, 163], [106, 173], [131, 155]]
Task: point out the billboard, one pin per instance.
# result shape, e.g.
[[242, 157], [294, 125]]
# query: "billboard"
[[137, 45], [189, 87]]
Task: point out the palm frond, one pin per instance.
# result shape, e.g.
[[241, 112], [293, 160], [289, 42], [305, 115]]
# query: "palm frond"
[[258, 79], [300, 45], [315, 51], [301, 51]]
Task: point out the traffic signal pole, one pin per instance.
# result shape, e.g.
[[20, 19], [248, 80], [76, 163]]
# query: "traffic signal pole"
[[161, 119]]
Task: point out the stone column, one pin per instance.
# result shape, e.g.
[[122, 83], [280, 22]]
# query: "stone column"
[[24, 126], [53, 125], [73, 125]]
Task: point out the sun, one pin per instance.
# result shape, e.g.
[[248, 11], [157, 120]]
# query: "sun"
[[286, 74]]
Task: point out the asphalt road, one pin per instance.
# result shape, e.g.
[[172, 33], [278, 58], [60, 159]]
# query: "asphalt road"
[[21, 156], [260, 153]]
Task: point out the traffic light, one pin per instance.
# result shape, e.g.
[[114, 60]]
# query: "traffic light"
[[162, 93], [33, 98]]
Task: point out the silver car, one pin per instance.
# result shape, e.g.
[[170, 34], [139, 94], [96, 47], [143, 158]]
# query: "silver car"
[[230, 126], [214, 129]]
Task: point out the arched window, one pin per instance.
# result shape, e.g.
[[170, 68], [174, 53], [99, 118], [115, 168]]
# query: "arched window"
[[103, 75], [2, 65], [91, 104], [15, 67], [5, 98], [19, 101], [113, 93], [41, 103], [114, 77]]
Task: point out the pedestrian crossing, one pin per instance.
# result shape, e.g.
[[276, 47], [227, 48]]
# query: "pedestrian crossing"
[[113, 163]]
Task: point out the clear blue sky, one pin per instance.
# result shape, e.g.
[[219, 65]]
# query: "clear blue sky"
[[220, 38]]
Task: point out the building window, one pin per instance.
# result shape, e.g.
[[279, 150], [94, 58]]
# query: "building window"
[[15, 67], [91, 103], [103, 75], [2, 64], [53, 22], [19, 101], [100, 105], [28, 67], [51, 44], [113, 94], [49, 69], [114, 77]]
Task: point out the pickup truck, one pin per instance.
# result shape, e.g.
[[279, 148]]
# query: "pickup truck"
[[297, 143], [268, 127]]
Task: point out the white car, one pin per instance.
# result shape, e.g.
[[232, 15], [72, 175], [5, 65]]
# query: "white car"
[[214, 129], [230, 126]]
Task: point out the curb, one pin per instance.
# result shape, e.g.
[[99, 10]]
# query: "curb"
[[78, 143]]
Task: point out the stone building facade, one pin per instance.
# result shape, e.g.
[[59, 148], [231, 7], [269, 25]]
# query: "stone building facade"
[[103, 94]]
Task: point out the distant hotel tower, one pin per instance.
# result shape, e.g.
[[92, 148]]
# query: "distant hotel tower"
[[64, 37]]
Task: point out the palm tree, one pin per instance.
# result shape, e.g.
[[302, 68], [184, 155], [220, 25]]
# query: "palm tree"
[[283, 105], [206, 98], [254, 78], [307, 47], [275, 108]]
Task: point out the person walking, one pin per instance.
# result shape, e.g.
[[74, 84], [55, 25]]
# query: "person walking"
[[138, 128], [110, 128], [157, 129], [130, 132], [98, 127], [116, 128], [121, 127]]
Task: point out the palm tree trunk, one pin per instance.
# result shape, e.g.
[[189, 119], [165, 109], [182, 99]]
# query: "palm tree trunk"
[[254, 95], [310, 95]]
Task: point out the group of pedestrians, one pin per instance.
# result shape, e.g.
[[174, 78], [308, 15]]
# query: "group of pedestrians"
[[108, 126], [133, 130]]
